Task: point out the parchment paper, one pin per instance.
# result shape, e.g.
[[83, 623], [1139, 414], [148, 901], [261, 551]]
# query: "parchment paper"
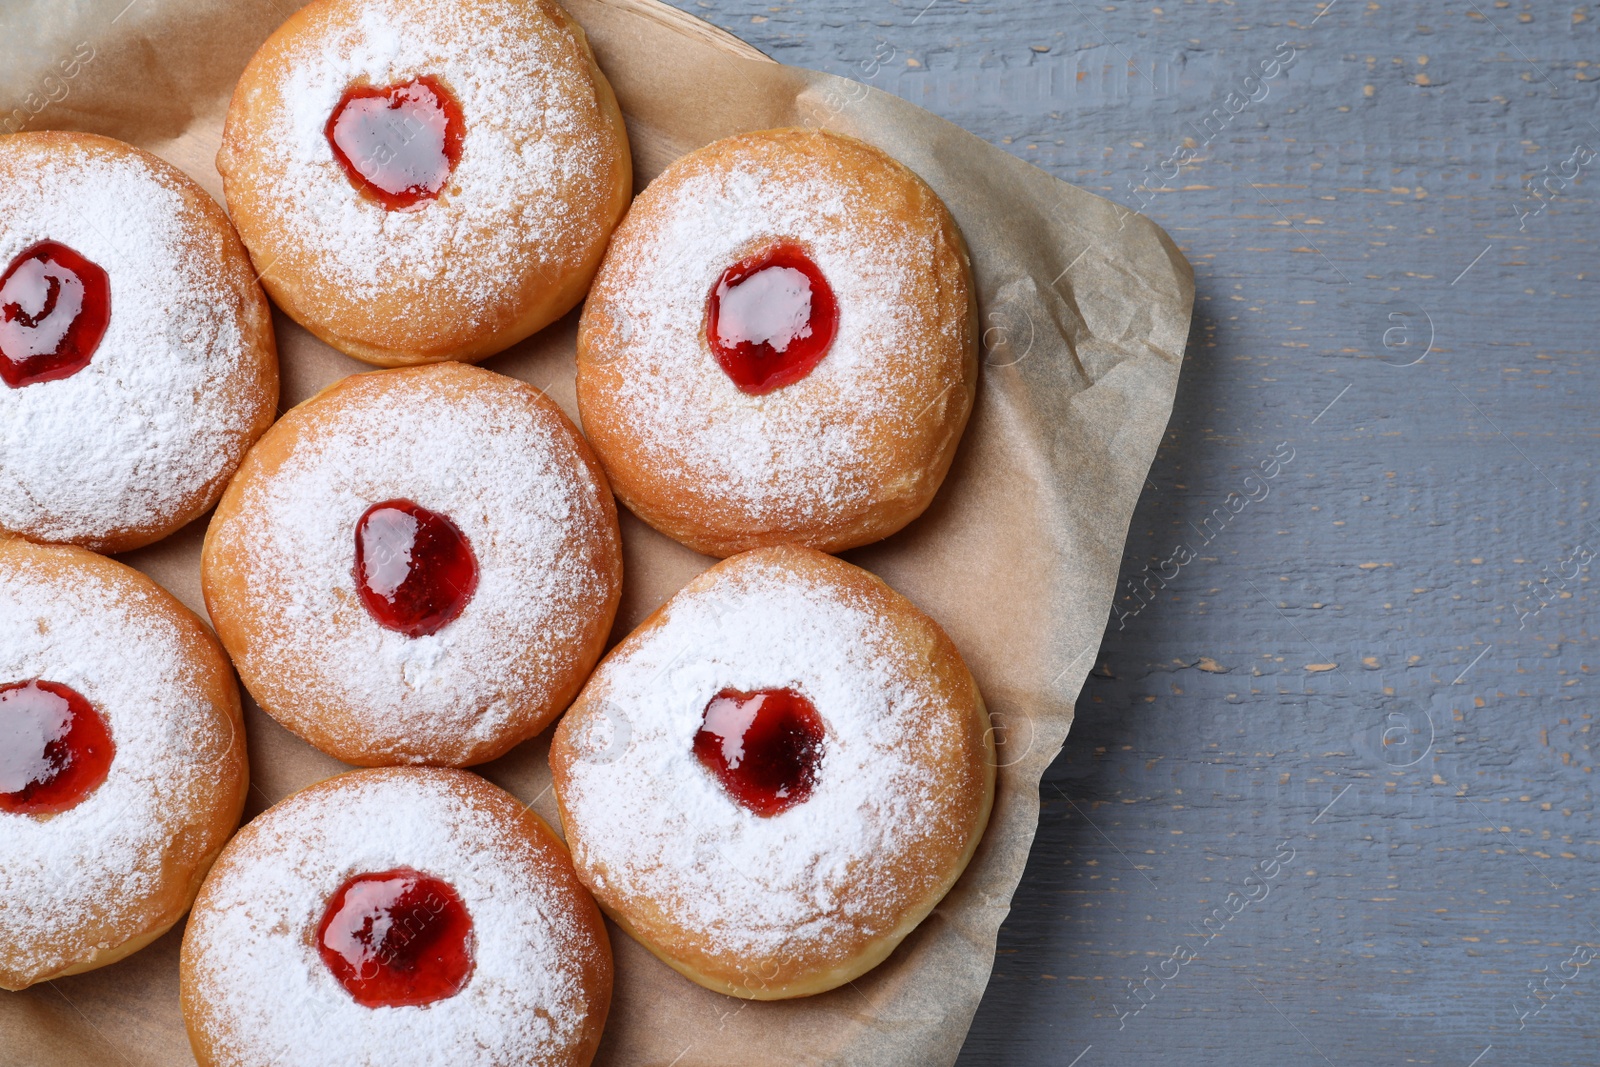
[[1085, 311]]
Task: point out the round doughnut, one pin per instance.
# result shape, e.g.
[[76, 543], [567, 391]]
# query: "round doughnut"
[[122, 760], [824, 404], [416, 566], [137, 362], [777, 776], [421, 182], [393, 916]]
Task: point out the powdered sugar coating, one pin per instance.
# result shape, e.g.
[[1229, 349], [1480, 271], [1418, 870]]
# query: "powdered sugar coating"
[[647, 822], [861, 425], [84, 879], [162, 414], [523, 205], [260, 993], [497, 459]]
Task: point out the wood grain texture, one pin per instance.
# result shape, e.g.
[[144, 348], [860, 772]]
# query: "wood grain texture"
[[1350, 677]]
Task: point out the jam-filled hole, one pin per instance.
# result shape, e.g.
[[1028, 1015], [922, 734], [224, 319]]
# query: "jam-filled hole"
[[55, 748], [414, 570], [397, 938], [398, 143], [771, 318], [763, 746], [55, 306]]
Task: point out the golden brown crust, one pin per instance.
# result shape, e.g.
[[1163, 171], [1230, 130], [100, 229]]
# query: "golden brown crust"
[[445, 306], [198, 815], [920, 874], [598, 980], [287, 670], [520, 838], [210, 239], [904, 413]]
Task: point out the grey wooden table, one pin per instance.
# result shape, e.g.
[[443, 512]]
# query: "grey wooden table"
[[1329, 795]]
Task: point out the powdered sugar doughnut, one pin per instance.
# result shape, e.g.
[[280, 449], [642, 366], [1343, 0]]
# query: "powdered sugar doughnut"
[[122, 760], [394, 916], [780, 346], [137, 361], [420, 182], [416, 566], [776, 776]]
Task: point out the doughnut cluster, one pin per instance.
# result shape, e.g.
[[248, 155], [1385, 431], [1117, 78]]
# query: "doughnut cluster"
[[769, 783]]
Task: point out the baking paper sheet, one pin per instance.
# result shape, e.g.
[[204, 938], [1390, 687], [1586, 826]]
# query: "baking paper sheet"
[[1085, 311]]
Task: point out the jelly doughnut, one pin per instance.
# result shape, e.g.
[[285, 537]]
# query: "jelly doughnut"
[[137, 361], [777, 776], [780, 346], [395, 916], [425, 181], [416, 566], [122, 760]]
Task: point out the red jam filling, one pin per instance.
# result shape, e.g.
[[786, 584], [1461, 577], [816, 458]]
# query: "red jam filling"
[[397, 938], [54, 748], [763, 747], [400, 143], [54, 308], [415, 570], [771, 318]]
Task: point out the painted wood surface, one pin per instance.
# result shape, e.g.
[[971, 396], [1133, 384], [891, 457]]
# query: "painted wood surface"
[[1329, 794]]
